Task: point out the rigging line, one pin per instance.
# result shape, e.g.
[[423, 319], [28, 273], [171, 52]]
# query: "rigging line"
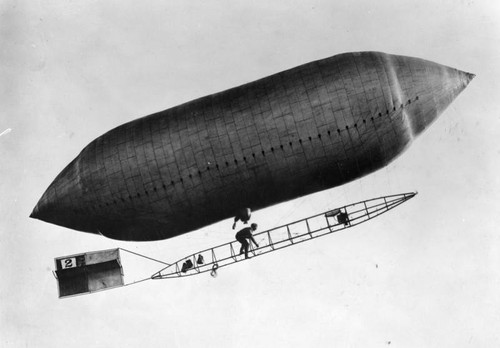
[[146, 257], [137, 281], [301, 201]]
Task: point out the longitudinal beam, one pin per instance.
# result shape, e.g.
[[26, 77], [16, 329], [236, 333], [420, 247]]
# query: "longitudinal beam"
[[284, 236]]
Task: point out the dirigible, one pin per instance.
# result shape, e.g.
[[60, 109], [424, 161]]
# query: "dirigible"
[[300, 131]]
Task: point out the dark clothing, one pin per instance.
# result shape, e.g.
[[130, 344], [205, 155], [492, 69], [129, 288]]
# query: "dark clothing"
[[243, 215], [343, 218], [244, 245], [242, 237], [244, 233], [186, 265]]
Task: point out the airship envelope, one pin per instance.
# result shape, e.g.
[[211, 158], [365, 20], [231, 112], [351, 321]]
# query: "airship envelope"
[[300, 131]]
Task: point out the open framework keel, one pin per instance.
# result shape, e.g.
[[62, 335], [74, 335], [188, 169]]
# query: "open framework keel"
[[210, 260], [102, 270]]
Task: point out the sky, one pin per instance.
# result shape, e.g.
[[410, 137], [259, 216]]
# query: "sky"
[[424, 275]]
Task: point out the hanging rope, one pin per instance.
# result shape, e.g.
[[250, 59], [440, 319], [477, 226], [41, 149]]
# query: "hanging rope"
[[213, 273], [292, 210]]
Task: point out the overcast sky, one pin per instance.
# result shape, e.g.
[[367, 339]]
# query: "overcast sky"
[[424, 275]]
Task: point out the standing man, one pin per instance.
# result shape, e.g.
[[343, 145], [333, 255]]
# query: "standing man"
[[242, 237]]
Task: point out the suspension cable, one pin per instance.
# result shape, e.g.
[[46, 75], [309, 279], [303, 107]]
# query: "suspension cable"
[[146, 257], [137, 281]]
